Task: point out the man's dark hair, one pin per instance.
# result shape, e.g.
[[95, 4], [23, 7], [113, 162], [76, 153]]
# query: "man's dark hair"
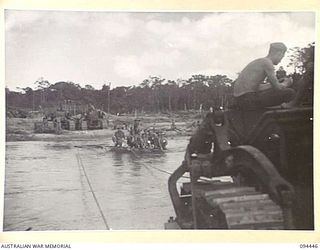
[[275, 47]]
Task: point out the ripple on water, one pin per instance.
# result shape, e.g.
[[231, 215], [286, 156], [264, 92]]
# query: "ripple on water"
[[46, 187]]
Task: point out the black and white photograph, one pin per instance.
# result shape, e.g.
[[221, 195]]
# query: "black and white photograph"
[[159, 120]]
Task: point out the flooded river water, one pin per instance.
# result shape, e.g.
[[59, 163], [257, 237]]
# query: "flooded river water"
[[48, 186]]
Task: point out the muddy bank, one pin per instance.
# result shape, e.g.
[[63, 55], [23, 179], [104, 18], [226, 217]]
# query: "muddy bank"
[[65, 135], [22, 129]]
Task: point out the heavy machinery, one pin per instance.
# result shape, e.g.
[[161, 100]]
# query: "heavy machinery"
[[51, 123], [54, 122], [94, 118], [249, 169], [45, 127], [65, 121]]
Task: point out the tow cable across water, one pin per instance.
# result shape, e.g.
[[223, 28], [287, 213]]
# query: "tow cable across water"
[[153, 167], [80, 163], [159, 169], [164, 171]]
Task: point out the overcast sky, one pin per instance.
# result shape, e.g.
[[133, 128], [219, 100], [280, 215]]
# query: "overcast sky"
[[125, 48]]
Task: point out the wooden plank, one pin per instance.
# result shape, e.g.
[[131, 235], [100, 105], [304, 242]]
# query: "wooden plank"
[[262, 226], [256, 217], [235, 191], [201, 188], [249, 206], [218, 201]]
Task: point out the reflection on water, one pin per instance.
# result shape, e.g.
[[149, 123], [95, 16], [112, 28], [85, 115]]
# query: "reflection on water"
[[46, 187]]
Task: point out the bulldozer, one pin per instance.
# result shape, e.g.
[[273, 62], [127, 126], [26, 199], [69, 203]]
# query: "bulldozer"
[[54, 122], [247, 169], [51, 123], [94, 118]]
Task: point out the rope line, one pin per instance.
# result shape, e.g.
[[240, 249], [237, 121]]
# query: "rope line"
[[148, 167], [91, 189], [165, 171], [159, 169]]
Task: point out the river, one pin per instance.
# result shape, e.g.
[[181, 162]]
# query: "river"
[[81, 185]]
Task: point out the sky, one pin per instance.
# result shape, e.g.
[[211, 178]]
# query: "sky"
[[124, 48]]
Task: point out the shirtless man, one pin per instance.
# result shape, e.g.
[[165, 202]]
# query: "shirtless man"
[[252, 92]]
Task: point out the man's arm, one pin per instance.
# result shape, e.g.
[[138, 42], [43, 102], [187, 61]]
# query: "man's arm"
[[269, 69], [287, 82], [265, 86]]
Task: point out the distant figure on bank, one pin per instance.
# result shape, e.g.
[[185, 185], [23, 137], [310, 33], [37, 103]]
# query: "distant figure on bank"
[[173, 125], [250, 89], [136, 126]]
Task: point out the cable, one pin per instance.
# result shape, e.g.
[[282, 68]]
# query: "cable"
[[159, 169], [91, 189], [166, 172], [147, 167]]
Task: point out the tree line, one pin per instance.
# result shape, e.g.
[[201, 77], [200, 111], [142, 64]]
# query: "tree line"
[[154, 94]]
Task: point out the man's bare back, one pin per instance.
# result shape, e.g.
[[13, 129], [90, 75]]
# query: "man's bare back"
[[250, 89], [254, 75]]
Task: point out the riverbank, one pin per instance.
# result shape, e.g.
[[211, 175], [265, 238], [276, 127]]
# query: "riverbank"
[[22, 129]]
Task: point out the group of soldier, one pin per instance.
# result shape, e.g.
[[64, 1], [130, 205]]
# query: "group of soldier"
[[146, 139], [140, 138]]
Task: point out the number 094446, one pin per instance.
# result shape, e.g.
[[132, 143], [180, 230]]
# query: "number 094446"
[[308, 246]]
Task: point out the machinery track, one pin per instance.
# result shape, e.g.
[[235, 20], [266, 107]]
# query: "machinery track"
[[239, 207]]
